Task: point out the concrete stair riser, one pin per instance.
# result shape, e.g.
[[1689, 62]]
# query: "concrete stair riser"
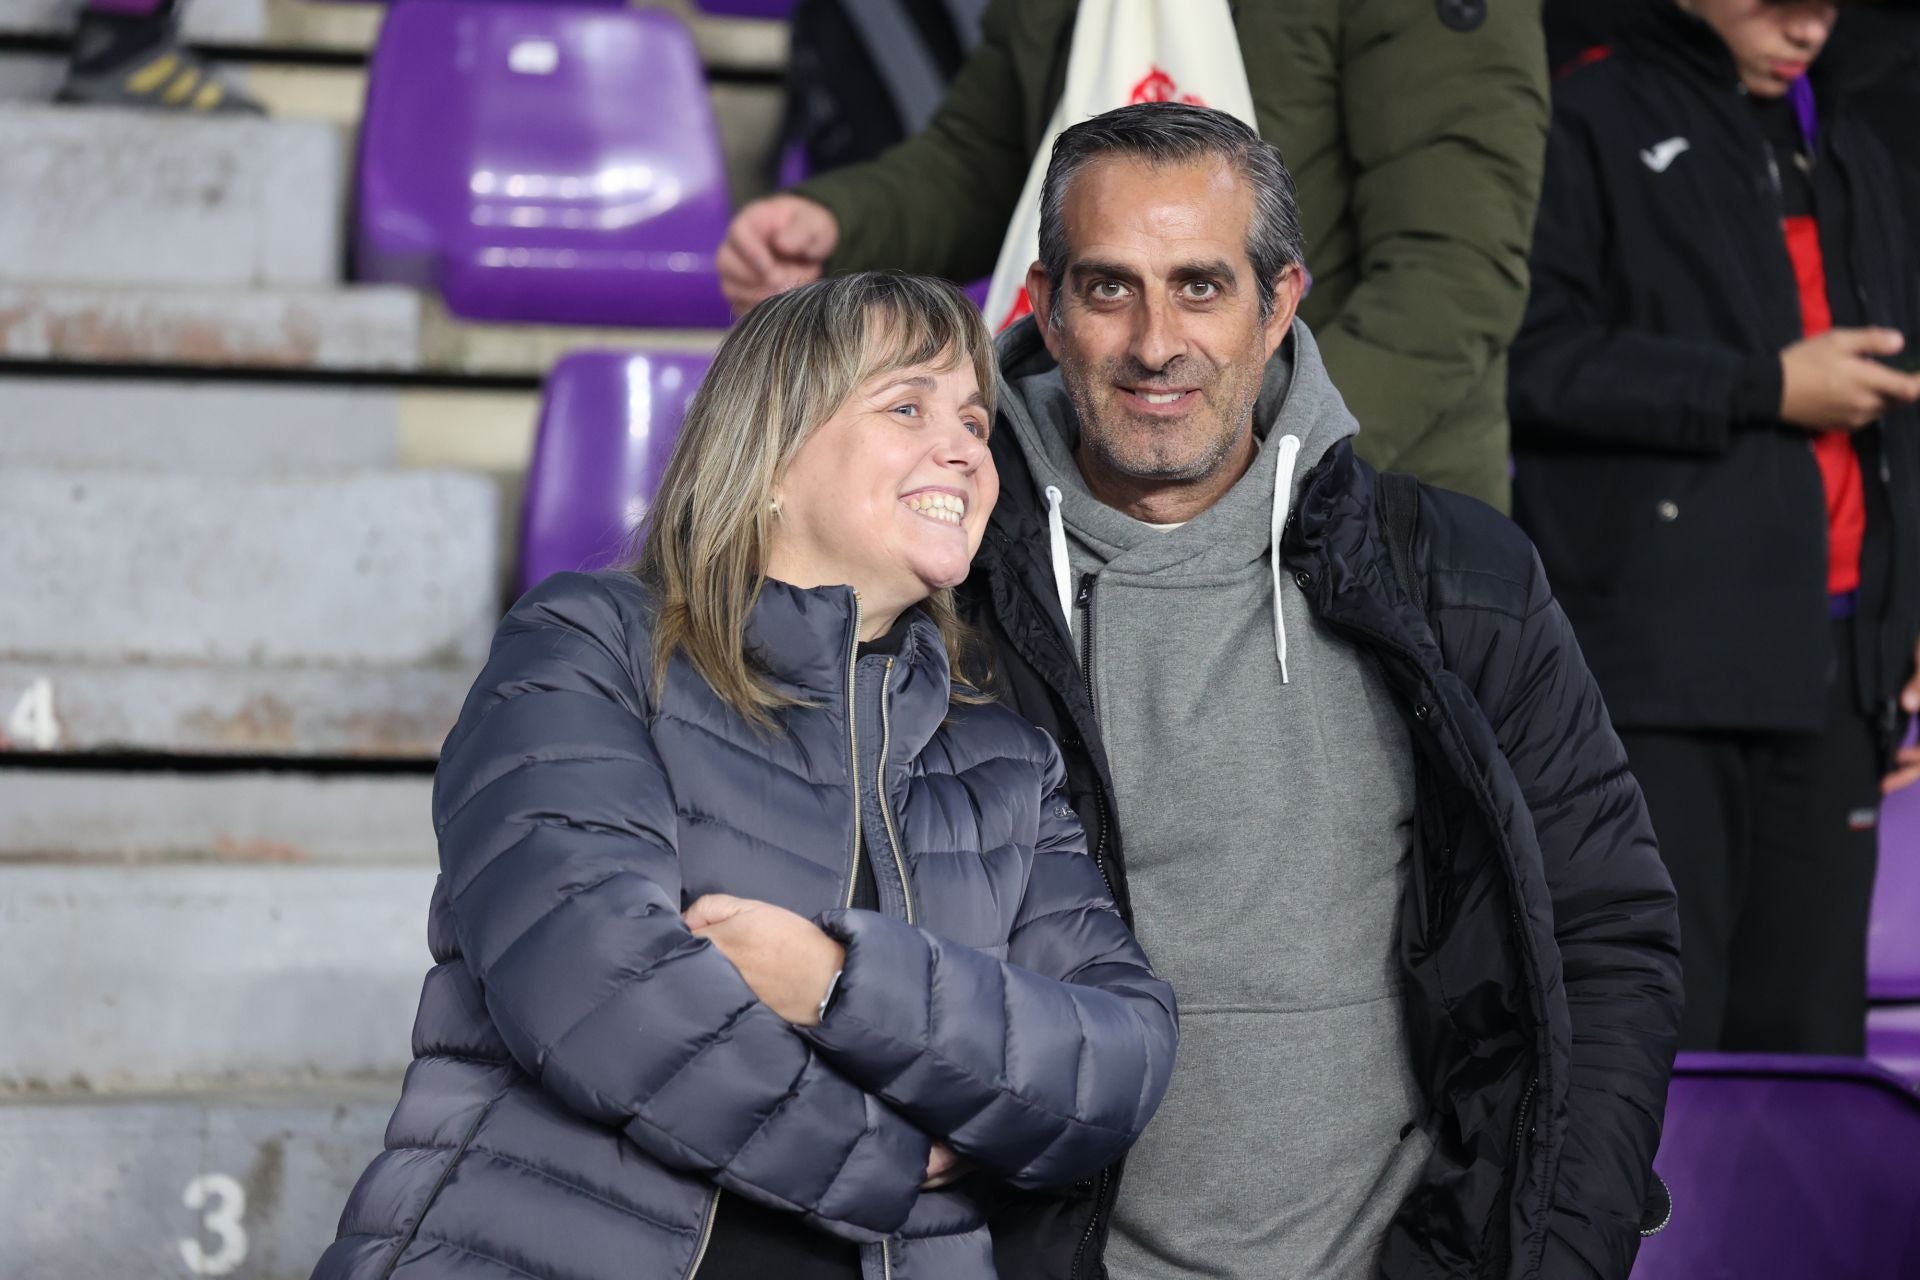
[[367, 568], [164, 976], [248, 1186], [92, 196], [241, 817]]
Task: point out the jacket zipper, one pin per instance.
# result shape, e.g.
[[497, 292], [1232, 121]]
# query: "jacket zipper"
[[1661, 1225], [1085, 601], [1086, 642], [853, 754], [853, 774], [1099, 792], [1520, 1122], [1093, 1223], [706, 1234], [880, 786]]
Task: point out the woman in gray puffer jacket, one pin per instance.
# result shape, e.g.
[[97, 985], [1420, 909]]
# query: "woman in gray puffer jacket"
[[763, 940]]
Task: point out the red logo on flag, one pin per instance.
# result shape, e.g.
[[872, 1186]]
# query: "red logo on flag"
[[1158, 86]]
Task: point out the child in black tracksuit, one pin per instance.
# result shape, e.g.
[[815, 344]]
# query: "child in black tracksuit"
[[1716, 454]]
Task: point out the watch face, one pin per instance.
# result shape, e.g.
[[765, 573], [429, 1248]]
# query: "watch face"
[[1462, 15]]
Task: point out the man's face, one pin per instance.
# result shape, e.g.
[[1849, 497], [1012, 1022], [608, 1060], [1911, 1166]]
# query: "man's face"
[[1156, 325], [1773, 44]]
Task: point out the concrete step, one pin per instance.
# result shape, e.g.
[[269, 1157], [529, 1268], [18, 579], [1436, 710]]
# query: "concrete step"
[[234, 427], [244, 817], [140, 198], [247, 1186], [222, 22], [378, 330], [726, 44], [207, 428], [169, 976], [390, 712], [364, 568], [360, 327]]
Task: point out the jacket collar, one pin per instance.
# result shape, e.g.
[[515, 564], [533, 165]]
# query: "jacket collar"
[[806, 641], [1663, 32], [1336, 538]]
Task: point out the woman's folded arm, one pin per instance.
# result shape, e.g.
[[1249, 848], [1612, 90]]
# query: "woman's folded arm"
[[1041, 1068]]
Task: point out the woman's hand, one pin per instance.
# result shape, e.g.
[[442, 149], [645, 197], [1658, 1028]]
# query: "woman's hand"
[[944, 1167], [784, 957]]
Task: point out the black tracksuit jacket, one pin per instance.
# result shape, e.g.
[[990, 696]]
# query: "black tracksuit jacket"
[[1539, 939], [1682, 524]]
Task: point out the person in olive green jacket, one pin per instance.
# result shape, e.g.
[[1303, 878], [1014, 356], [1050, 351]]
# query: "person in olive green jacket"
[[1415, 129]]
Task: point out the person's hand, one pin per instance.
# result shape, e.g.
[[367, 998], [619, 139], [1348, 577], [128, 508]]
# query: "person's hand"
[[773, 245], [1906, 761], [943, 1167], [785, 958], [1833, 382]]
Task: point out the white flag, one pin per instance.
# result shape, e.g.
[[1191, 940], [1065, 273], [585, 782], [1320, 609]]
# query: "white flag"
[[1124, 51]]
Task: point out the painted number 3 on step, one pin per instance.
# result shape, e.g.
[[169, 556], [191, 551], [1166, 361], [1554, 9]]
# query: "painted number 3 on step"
[[221, 1203]]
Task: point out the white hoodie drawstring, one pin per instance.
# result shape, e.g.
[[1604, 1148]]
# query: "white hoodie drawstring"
[[1057, 548], [1282, 502]]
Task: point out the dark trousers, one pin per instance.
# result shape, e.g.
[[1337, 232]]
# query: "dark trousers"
[[1771, 841]]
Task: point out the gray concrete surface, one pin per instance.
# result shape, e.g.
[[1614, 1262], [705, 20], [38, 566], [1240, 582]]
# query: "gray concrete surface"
[[244, 817], [211, 428], [167, 976], [386, 712], [244, 1186], [207, 202], [370, 327], [393, 568]]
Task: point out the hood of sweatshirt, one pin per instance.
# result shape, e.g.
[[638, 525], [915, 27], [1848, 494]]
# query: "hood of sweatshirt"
[[1298, 417]]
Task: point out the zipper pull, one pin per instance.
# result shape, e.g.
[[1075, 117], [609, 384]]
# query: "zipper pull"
[[1086, 590]]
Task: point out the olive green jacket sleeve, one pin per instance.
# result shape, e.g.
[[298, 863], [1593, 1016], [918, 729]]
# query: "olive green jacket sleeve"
[[940, 202], [1447, 134]]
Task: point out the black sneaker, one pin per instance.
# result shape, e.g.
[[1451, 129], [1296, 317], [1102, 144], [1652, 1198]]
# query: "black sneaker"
[[139, 62]]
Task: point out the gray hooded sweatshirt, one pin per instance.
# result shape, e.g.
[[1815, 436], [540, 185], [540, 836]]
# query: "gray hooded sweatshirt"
[[1264, 782]]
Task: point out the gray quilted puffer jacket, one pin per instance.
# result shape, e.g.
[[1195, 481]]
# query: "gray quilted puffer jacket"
[[590, 1078]]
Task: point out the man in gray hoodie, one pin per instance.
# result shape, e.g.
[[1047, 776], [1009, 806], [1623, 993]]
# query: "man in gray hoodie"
[[1262, 738]]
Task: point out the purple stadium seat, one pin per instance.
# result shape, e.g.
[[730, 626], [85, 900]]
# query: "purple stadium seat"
[[607, 426], [552, 162], [781, 9], [1893, 939], [1893, 1039], [1787, 1167]]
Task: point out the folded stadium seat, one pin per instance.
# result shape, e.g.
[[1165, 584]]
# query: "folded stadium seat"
[[1893, 940], [608, 420], [1789, 1167], [546, 162]]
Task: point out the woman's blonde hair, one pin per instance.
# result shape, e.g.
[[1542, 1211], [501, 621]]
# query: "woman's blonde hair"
[[787, 367]]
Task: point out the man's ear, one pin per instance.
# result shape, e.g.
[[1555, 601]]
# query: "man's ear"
[[1041, 298], [1288, 288]]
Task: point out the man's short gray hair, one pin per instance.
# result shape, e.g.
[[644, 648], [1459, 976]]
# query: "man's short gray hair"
[[1173, 133]]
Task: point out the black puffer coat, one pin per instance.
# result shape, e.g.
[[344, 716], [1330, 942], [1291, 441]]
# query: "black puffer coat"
[[1539, 939], [589, 1077]]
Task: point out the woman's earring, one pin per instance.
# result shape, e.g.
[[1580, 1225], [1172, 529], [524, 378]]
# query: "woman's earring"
[[774, 506]]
